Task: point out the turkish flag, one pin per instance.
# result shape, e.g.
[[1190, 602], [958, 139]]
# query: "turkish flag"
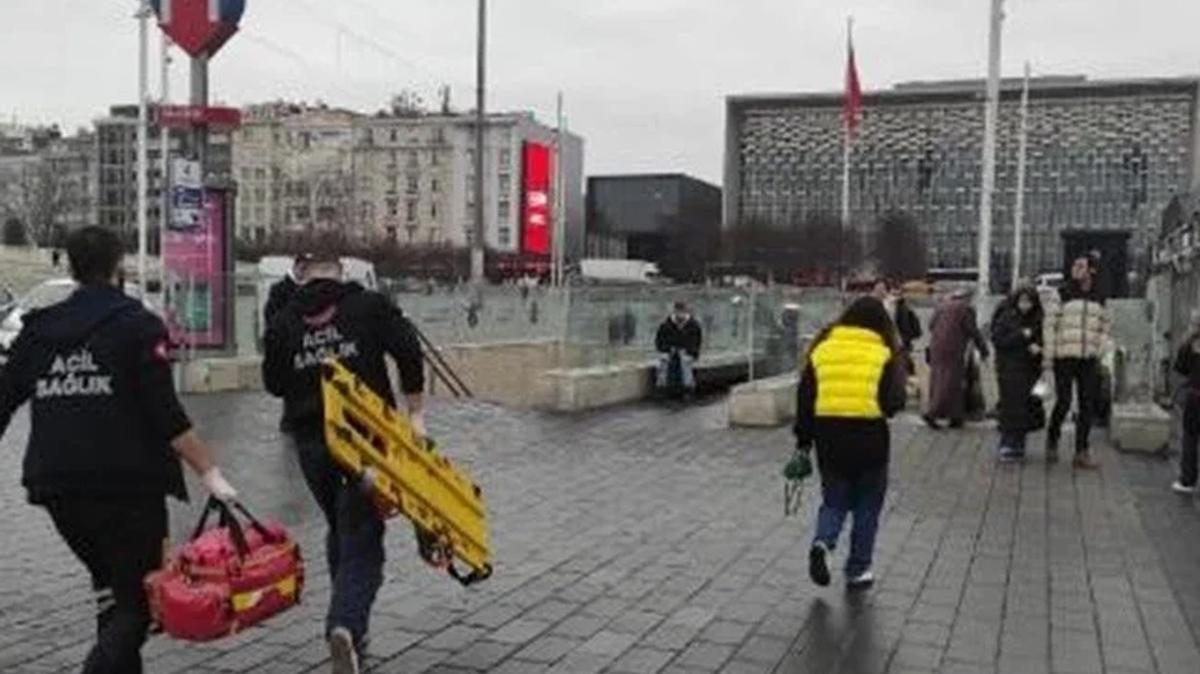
[[853, 107]]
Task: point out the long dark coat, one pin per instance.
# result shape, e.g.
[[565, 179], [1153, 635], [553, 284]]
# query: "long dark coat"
[[952, 330], [1017, 368]]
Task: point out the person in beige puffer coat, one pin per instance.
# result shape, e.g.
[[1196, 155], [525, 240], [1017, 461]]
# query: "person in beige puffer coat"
[[1076, 337]]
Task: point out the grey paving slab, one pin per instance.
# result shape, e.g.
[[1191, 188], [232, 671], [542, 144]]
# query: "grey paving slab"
[[642, 539]]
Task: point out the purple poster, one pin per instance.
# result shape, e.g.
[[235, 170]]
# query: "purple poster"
[[194, 268]]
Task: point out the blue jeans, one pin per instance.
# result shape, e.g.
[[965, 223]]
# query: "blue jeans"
[[353, 543], [687, 375], [1013, 440], [862, 496]]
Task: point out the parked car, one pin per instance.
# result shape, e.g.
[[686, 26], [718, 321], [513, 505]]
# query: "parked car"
[[41, 296], [8, 299]]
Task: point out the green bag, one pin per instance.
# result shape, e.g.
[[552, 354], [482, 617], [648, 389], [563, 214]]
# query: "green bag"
[[797, 470]]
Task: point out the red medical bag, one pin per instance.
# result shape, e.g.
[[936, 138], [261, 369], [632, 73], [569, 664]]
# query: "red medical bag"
[[227, 578]]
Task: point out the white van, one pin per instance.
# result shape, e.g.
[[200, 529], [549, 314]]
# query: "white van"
[[273, 268]]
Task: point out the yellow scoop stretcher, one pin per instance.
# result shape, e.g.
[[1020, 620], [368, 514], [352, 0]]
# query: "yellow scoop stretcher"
[[406, 475]]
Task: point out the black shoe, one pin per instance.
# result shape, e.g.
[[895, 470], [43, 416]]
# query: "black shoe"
[[818, 564], [1051, 450], [957, 423], [931, 422]]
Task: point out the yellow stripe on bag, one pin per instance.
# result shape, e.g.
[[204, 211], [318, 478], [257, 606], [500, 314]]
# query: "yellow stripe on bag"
[[248, 600]]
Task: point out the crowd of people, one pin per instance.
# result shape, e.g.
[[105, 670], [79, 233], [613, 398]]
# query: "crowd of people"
[[855, 375], [108, 433]]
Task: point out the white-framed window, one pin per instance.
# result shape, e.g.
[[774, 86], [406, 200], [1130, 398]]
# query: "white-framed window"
[[410, 214], [504, 235]]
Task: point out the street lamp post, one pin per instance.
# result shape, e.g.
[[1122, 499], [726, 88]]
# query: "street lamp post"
[[990, 118], [143, 157], [477, 245]]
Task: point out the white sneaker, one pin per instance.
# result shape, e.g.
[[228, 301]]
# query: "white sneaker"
[[862, 581], [341, 650], [1181, 488]]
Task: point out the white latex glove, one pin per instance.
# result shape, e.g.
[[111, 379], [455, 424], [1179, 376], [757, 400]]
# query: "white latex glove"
[[418, 425], [218, 486]]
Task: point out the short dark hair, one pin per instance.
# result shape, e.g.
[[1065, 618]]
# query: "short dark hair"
[[680, 306], [94, 254]]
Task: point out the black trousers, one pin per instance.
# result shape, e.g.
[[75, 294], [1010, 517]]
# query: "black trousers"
[[120, 542], [1187, 459], [1082, 375]]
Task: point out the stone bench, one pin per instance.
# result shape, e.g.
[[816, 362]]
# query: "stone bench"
[[766, 403], [585, 388], [220, 375], [1140, 428]]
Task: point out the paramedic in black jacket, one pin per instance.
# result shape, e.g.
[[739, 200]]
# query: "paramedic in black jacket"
[[331, 319], [679, 333], [106, 436], [279, 296]]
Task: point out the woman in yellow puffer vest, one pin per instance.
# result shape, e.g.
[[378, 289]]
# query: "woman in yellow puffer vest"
[[853, 382]]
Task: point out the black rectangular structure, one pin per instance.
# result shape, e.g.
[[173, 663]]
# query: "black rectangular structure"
[[670, 219]]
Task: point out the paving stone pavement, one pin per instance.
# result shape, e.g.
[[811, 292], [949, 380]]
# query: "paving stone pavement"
[[643, 539]]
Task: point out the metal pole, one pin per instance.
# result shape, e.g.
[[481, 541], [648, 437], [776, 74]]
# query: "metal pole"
[[559, 197], [143, 160], [1022, 164], [847, 143], [750, 329], [165, 142], [990, 117], [478, 245]]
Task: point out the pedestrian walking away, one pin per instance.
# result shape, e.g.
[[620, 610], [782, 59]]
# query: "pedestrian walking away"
[[1076, 337], [853, 382], [1017, 339], [107, 434], [332, 319], [1187, 365], [953, 330]]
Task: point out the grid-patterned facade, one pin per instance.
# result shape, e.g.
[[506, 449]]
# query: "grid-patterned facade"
[[1106, 155]]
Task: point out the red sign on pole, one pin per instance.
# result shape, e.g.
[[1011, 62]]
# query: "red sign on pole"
[[536, 211], [187, 116], [199, 27]]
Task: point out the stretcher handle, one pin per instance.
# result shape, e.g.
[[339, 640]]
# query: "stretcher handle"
[[469, 579]]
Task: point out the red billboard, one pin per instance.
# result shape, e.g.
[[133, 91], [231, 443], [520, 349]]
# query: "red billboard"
[[536, 212]]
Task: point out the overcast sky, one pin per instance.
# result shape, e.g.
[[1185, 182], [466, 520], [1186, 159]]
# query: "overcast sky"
[[645, 80]]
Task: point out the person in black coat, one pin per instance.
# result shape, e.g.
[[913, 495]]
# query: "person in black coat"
[[1017, 337], [1187, 364], [106, 436], [679, 334]]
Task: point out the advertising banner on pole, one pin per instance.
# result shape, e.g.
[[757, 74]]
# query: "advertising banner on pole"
[[195, 269], [536, 212]]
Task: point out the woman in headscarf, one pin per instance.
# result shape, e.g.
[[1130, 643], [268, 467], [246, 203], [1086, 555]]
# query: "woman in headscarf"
[[1017, 338]]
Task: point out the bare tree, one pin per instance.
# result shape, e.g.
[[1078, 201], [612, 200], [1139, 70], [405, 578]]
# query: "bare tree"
[[38, 197], [899, 247]]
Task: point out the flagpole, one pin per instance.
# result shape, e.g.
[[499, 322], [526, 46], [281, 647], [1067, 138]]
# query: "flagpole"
[[1022, 165], [847, 142]]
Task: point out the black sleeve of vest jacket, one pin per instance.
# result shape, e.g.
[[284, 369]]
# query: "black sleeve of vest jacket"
[[158, 397], [15, 382], [806, 408], [893, 387], [276, 360], [401, 343]]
